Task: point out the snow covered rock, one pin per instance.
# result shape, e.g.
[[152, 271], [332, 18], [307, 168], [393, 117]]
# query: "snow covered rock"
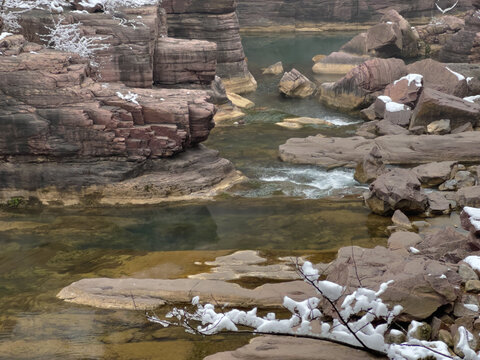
[[405, 90], [420, 294], [440, 77]]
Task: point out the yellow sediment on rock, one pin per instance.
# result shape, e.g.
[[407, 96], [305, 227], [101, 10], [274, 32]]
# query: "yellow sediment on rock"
[[228, 112], [240, 101], [240, 85], [340, 69], [289, 125], [308, 121]]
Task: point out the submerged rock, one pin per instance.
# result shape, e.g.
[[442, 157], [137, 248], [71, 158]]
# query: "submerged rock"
[[338, 63], [275, 348], [151, 293], [275, 69]]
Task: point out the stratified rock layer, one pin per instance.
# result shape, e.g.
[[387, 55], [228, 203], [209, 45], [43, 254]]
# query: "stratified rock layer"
[[72, 137], [307, 14], [214, 21], [394, 149]]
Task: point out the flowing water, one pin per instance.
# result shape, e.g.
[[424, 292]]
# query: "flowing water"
[[282, 210]]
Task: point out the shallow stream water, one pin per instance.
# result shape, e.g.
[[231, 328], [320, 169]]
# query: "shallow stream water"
[[283, 210]]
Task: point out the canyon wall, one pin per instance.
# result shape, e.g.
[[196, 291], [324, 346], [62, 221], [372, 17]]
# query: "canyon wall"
[[71, 127], [311, 14], [215, 21]]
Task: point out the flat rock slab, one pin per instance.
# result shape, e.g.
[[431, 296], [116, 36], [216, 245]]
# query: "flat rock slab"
[[394, 149], [283, 348], [151, 293], [247, 263]]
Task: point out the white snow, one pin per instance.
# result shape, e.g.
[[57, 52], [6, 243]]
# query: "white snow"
[[471, 307], [3, 35], [393, 106], [414, 250], [385, 99], [465, 337], [469, 79], [131, 97], [473, 261], [460, 77], [443, 276], [471, 98], [471, 211], [411, 78]]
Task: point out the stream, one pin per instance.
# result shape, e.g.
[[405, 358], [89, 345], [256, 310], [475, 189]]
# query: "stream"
[[283, 209]]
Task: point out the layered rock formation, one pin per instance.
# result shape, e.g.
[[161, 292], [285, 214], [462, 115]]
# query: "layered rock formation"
[[214, 21], [463, 46], [311, 14], [69, 126]]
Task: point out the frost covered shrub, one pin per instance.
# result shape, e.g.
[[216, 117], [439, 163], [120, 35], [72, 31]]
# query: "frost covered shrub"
[[111, 5], [362, 321], [67, 37]]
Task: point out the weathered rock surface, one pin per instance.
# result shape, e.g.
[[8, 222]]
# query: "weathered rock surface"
[[459, 47], [448, 245], [403, 240], [398, 189], [469, 196], [434, 173], [437, 76], [418, 285], [180, 61], [371, 167], [295, 84], [77, 133], [393, 36], [354, 90], [279, 348], [338, 62], [394, 149], [438, 32], [307, 14], [150, 293], [404, 91], [129, 55], [274, 69], [434, 105], [214, 21]]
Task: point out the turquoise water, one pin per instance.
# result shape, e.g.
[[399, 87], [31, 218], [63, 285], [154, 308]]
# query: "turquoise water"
[[282, 210], [253, 147]]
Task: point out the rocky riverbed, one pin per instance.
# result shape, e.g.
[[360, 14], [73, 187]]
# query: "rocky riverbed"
[[126, 129]]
